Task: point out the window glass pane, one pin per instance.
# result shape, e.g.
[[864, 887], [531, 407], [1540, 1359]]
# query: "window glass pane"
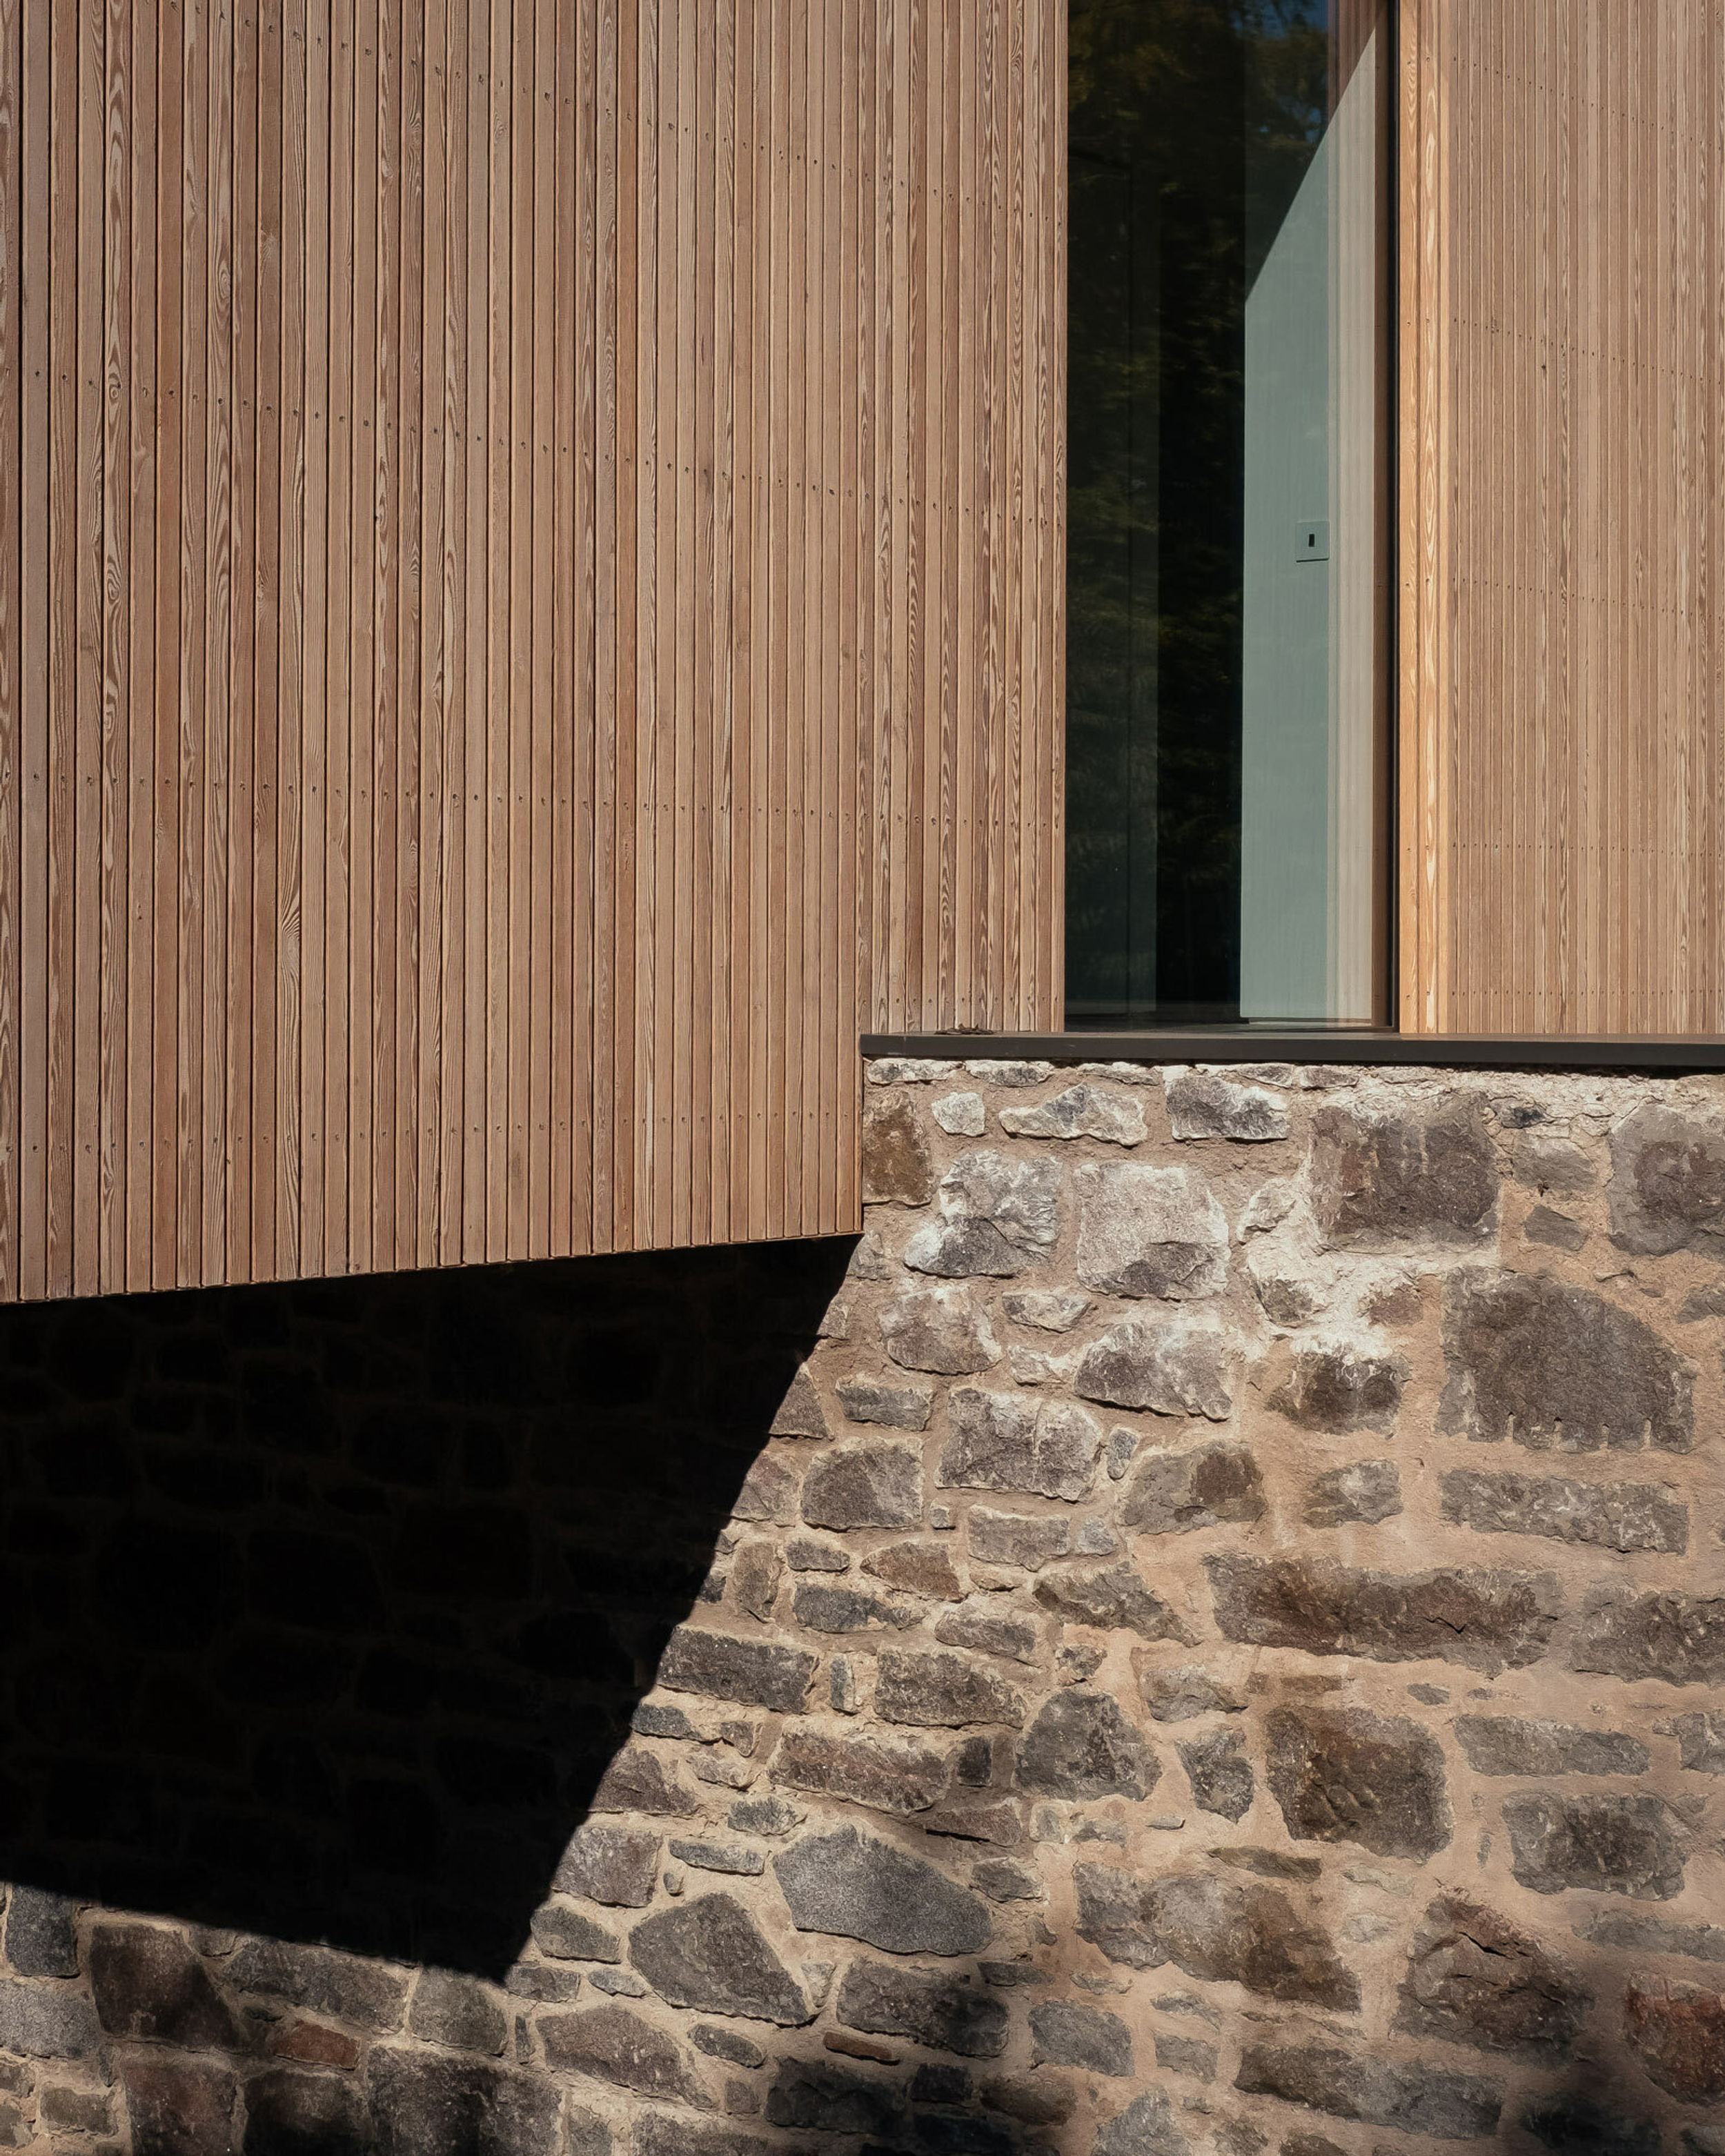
[[1227, 510]]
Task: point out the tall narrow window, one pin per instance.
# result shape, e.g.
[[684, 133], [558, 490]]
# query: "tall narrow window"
[[1228, 511]]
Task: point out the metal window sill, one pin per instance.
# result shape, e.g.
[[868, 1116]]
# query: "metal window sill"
[[1492, 1051]]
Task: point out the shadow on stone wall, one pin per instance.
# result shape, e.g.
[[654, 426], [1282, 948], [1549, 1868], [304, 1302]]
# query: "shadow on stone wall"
[[328, 1605]]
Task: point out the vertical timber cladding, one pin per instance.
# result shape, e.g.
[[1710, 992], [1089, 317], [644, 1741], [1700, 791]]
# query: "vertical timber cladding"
[[529, 562], [1563, 379]]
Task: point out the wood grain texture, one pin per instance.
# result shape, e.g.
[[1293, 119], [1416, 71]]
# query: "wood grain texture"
[[1563, 735], [529, 612]]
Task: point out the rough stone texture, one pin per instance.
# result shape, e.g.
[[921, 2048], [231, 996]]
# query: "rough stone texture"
[[861, 1887], [1015, 1076], [421, 2102], [1284, 1299], [749, 1670], [1202, 1104], [1049, 1310], [1414, 2099], [874, 1399], [640, 1780], [1187, 2055], [82, 2111], [768, 1492], [1545, 1224], [897, 1167], [455, 2010], [1367, 1491], [906, 1071], [800, 1413], [1277, 1864], [1114, 1600], [1217, 1929], [1082, 1746], [810, 2094], [1219, 1774], [40, 1936], [823, 1608], [1701, 1741], [148, 1983], [1616, 1845], [940, 1691], [1170, 1369], [1677, 2033], [1065, 2032], [983, 1627], [1146, 2128], [658, 2133], [1002, 1879], [1506, 1744], [1678, 1637], [568, 1934], [1482, 1619], [616, 2045], [1334, 1387], [1616, 1515], [1083, 1110], [1177, 1694], [961, 1115], [179, 2109], [864, 1486], [1175, 1493], [1547, 1163], [1473, 1978], [1038, 2101], [886, 1776], [710, 1954], [1150, 1231], [612, 1865], [944, 2013], [997, 1216], [908, 1695], [1383, 1176], [812, 1553], [1007, 1441], [938, 1329], [1615, 1927], [1535, 1359], [1012, 1538], [732, 1857], [755, 1578], [918, 1567], [769, 1815], [1667, 1188], [47, 2024], [1347, 1775], [369, 1994], [728, 2043]]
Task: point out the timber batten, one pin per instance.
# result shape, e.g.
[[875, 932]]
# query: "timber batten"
[[1562, 761], [529, 612]]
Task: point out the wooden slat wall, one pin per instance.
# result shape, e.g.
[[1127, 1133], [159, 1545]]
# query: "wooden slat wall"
[[1562, 764], [529, 571]]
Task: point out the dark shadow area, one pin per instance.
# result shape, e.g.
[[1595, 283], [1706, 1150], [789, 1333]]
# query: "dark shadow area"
[[328, 1605]]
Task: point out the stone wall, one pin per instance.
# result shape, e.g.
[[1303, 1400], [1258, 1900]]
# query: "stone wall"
[[1219, 1647]]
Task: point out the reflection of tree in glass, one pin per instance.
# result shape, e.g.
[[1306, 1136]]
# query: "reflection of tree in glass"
[[1192, 121], [1288, 97]]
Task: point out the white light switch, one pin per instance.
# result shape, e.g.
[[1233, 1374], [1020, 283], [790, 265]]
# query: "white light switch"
[[1311, 540]]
